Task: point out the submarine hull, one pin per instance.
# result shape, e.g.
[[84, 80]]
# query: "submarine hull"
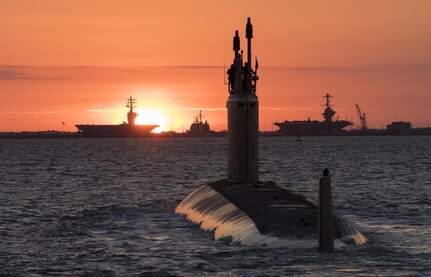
[[262, 214]]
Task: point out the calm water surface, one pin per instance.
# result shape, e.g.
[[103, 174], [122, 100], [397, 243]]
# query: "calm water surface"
[[105, 207]]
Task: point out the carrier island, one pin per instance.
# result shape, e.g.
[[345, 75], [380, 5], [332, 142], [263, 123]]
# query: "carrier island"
[[244, 210]]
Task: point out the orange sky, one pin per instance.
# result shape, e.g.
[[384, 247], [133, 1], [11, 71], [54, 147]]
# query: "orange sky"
[[75, 62]]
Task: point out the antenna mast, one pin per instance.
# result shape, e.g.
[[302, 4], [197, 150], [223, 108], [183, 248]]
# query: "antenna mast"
[[131, 115]]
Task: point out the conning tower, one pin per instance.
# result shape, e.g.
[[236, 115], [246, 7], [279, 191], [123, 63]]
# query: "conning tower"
[[243, 115]]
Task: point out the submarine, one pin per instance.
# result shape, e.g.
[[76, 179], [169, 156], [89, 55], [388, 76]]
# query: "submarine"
[[246, 211]]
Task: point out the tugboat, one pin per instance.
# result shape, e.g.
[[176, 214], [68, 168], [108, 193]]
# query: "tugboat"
[[315, 127], [199, 128], [124, 130]]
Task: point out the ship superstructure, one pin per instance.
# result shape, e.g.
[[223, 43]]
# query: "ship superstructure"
[[131, 115], [314, 127], [199, 128], [126, 129]]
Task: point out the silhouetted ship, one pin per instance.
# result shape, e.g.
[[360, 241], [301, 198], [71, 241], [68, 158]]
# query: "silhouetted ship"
[[124, 130], [199, 128], [315, 127]]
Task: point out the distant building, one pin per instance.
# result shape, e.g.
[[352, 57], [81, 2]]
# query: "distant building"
[[399, 128]]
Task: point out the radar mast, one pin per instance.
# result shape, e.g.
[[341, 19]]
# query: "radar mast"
[[131, 115], [329, 112]]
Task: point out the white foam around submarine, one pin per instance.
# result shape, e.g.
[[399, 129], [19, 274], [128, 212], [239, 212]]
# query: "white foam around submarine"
[[213, 212]]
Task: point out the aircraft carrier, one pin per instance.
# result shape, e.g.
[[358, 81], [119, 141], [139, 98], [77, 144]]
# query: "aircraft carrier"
[[125, 130], [314, 127]]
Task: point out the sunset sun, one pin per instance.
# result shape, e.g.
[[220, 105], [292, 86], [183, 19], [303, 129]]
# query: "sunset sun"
[[150, 117]]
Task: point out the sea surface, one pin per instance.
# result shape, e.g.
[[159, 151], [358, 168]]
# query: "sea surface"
[[105, 207]]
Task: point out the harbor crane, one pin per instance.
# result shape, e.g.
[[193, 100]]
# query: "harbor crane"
[[362, 118]]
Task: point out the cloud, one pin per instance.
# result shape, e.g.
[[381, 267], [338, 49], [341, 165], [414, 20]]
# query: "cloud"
[[261, 108], [193, 66], [102, 110], [11, 72], [289, 109], [273, 108], [358, 68], [203, 109], [34, 112]]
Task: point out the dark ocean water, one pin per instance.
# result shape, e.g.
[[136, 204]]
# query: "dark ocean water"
[[105, 207]]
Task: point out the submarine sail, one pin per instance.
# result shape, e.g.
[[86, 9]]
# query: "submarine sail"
[[242, 208]]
